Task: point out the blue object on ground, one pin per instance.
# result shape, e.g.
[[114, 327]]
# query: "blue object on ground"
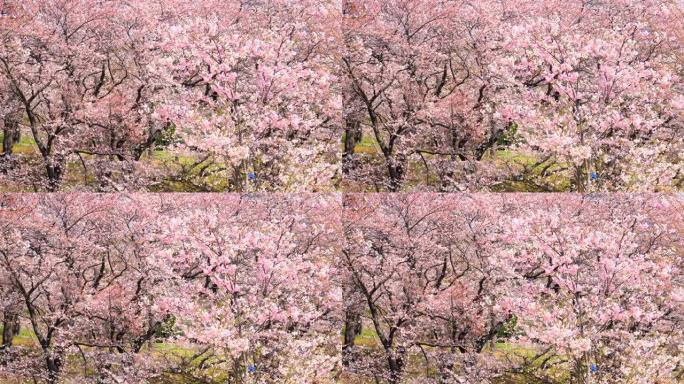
[[251, 176]]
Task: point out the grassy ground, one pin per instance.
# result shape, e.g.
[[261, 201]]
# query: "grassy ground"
[[171, 170], [26, 338], [530, 173], [73, 369], [26, 144], [367, 338], [367, 145], [184, 355], [505, 351], [177, 164], [555, 177], [187, 173]]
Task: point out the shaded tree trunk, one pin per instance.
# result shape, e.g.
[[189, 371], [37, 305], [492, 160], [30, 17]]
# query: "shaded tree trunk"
[[583, 176], [10, 328], [54, 166], [353, 309], [396, 169], [352, 328], [352, 131], [395, 362], [11, 132], [53, 362], [352, 136]]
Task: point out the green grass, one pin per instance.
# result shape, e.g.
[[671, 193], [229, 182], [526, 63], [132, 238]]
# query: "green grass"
[[367, 338], [164, 156], [518, 378], [506, 156], [25, 338], [182, 164], [26, 144], [535, 178], [172, 349], [529, 175], [367, 145], [180, 353], [505, 348], [502, 350]]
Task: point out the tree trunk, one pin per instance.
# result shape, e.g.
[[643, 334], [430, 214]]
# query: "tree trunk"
[[352, 136], [583, 177], [55, 169], [396, 170], [10, 328], [11, 133], [395, 361], [582, 372], [352, 328], [53, 362], [352, 315]]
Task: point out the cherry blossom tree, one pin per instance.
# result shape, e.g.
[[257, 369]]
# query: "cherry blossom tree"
[[78, 69], [604, 283], [11, 300], [238, 95], [264, 302], [588, 95], [254, 95], [586, 288], [429, 280], [256, 90], [596, 88], [134, 288], [244, 288], [83, 283], [12, 117], [419, 81]]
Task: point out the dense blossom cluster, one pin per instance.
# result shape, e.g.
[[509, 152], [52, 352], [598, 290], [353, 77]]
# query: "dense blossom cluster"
[[360, 142], [590, 90], [316, 94], [452, 288], [196, 288], [475, 289], [224, 89]]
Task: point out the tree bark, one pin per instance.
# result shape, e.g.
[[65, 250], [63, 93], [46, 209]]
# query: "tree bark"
[[352, 328], [54, 165], [53, 362], [352, 136], [395, 361], [395, 168], [11, 132], [10, 328]]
